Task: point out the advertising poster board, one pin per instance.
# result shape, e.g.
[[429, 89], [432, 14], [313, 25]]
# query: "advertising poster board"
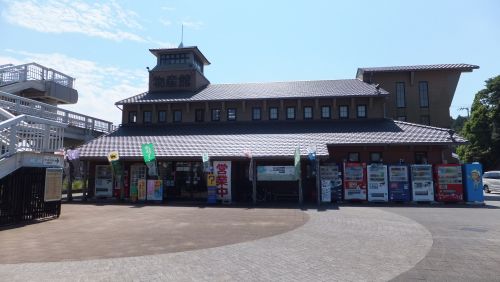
[[222, 172], [141, 189], [53, 184], [154, 190], [276, 173]]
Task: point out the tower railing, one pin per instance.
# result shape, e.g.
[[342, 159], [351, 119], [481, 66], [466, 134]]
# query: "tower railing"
[[33, 71]]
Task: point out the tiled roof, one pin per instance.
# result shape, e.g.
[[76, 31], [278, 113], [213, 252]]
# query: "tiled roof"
[[265, 90], [263, 139], [461, 67]]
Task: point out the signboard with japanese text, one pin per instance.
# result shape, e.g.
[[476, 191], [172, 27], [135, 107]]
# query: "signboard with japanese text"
[[222, 172], [53, 184], [141, 189], [276, 173], [211, 189]]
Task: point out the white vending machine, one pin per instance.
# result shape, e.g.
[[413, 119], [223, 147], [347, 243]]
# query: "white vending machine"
[[377, 183], [421, 182], [103, 181]]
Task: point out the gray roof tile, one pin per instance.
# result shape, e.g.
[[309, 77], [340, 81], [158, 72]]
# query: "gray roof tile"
[[264, 139], [461, 67], [264, 90]]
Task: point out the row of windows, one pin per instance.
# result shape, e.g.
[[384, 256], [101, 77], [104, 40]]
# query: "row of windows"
[[171, 59], [326, 113], [423, 91]]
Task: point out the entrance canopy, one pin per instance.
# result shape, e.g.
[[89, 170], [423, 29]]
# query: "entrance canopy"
[[263, 139]]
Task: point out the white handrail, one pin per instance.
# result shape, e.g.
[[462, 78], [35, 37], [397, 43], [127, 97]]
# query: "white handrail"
[[33, 71], [29, 133], [21, 105]]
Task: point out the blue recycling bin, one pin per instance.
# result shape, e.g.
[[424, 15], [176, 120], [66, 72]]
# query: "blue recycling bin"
[[473, 181]]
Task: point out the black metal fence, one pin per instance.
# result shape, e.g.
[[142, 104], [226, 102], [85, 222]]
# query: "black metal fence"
[[22, 197]]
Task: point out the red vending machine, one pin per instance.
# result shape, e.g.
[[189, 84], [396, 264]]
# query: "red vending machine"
[[448, 183], [355, 181]]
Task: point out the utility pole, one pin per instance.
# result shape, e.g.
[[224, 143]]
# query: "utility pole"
[[465, 108]]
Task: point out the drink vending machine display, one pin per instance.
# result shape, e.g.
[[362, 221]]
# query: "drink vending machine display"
[[355, 181], [421, 183], [377, 183], [473, 182], [331, 176], [399, 183], [448, 182]]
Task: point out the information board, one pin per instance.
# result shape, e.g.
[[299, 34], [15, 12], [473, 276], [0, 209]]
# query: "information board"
[[276, 173], [53, 184]]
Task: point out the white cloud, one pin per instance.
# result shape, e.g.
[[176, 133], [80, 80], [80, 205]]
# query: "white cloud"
[[165, 22], [104, 20], [167, 8], [99, 86], [193, 24]]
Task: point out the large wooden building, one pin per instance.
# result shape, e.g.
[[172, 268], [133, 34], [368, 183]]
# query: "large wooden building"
[[348, 120]]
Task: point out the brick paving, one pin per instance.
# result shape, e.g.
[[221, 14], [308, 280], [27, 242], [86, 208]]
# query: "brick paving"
[[348, 244]]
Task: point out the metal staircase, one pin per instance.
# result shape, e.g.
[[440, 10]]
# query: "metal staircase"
[[30, 141]]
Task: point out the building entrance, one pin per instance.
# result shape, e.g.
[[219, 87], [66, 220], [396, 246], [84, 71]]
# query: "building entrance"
[[189, 182]]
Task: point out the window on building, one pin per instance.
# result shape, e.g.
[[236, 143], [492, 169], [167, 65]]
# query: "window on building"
[[361, 111], [273, 113], [353, 157], [147, 117], [326, 112], [308, 112], [290, 113], [420, 157], [423, 90], [177, 116], [172, 59], [402, 118], [344, 111], [425, 119], [231, 114], [132, 117], [400, 95], [215, 114], [162, 116], [376, 157], [199, 115], [256, 113]]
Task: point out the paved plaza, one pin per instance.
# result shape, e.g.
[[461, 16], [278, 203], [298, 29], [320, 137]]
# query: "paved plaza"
[[95, 242]]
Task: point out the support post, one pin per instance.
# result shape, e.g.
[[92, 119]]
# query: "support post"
[[254, 180], [318, 181], [85, 179]]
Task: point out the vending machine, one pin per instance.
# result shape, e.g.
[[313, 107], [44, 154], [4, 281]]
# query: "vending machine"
[[421, 183], [103, 181], [473, 182], [377, 183], [448, 183], [399, 183], [330, 174], [355, 181]]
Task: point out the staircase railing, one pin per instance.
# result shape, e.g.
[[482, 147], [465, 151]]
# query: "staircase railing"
[[29, 133], [20, 105], [33, 71]]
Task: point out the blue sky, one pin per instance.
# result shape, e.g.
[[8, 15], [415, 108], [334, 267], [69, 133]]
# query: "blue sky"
[[104, 44]]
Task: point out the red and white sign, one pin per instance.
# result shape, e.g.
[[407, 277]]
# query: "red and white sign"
[[222, 172]]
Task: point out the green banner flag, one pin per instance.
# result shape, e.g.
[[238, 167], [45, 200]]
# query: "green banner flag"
[[148, 152], [297, 163]]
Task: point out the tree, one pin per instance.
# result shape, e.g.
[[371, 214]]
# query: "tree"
[[483, 128], [458, 123]]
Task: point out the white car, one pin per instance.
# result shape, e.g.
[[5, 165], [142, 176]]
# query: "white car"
[[491, 181]]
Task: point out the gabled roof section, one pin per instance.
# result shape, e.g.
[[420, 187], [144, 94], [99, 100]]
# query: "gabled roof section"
[[459, 67], [263, 139], [265, 90], [194, 49]]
